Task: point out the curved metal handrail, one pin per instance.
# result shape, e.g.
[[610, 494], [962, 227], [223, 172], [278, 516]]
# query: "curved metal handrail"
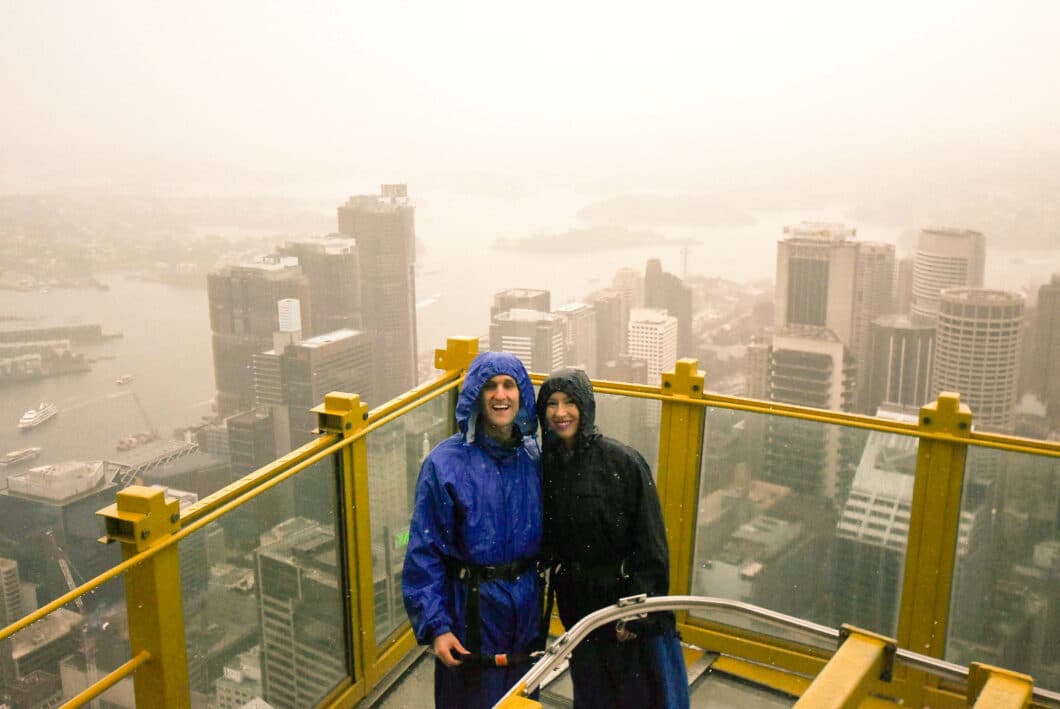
[[634, 606]]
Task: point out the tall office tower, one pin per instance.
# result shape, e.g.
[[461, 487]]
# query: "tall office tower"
[[872, 530], [826, 279], [629, 282], [903, 285], [521, 299], [330, 265], [243, 317], [902, 350], [300, 613], [295, 378], [535, 337], [251, 445], [610, 325], [10, 611], [977, 353], [384, 230], [667, 291], [1047, 349], [623, 417], [758, 364], [653, 338], [810, 367], [945, 258], [579, 329]]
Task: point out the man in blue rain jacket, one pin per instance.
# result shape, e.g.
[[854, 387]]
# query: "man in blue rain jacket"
[[469, 582]]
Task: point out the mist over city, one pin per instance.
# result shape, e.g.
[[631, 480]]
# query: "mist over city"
[[213, 214]]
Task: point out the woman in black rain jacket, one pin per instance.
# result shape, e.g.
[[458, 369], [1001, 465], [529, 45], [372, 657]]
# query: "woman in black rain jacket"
[[603, 527]]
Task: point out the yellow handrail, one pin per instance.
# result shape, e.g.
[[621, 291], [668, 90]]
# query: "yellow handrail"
[[97, 688]]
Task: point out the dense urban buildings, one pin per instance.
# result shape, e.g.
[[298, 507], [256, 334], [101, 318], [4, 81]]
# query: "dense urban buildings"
[[901, 355]]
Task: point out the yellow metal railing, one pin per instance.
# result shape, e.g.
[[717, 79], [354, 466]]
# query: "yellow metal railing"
[[150, 561]]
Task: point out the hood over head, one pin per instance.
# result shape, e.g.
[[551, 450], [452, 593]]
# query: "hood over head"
[[575, 384], [483, 368]]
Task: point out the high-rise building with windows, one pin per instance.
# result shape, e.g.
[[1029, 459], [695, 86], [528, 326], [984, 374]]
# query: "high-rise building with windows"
[[331, 266], [945, 258], [579, 327], [611, 320], [300, 611], [825, 278], [653, 338], [521, 299], [243, 317], [668, 292], [901, 353], [810, 367], [977, 353], [383, 227], [537, 338], [1046, 380]]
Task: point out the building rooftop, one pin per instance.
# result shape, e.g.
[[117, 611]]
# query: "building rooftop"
[[60, 482], [328, 338], [820, 231]]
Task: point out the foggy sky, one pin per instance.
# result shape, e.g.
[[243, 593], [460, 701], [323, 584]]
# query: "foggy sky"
[[644, 94]]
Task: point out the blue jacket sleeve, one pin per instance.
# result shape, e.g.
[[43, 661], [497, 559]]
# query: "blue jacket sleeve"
[[423, 577]]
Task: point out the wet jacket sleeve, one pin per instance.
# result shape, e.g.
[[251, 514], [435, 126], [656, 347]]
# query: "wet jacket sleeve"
[[649, 561], [423, 578]]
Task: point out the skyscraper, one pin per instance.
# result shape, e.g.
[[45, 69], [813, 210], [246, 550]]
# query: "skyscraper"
[[297, 376], [579, 326], [300, 611], [330, 265], [521, 299], [1047, 349], [537, 338], [810, 367], [653, 338], [902, 350], [827, 279], [667, 291], [611, 320], [384, 230], [977, 353], [945, 258], [243, 317]]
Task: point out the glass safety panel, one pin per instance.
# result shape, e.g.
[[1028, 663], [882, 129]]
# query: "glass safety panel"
[[395, 452], [1005, 600], [262, 589], [634, 421], [803, 518]]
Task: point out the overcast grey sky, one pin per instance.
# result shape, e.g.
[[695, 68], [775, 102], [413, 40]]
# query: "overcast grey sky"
[[667, 91]]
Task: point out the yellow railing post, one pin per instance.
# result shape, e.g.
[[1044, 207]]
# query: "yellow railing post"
[[996, 688], [923, 616], [346, 415], [457, 355], [139, 520], [862, 660], [680, 450]]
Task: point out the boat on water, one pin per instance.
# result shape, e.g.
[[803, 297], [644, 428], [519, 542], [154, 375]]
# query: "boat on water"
[[19, 455], [123, 379], [35, 417]]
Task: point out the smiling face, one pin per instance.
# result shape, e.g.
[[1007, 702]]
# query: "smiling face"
[[562, 416], [500, 403]]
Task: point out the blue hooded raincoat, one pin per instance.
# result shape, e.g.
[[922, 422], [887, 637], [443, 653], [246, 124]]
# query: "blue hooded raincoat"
[[477, 501]]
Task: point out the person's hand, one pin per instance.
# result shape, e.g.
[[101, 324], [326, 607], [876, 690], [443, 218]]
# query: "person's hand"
[[623, 632], [445, 645]]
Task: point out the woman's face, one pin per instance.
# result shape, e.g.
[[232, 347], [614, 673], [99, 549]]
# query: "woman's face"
[[562, 416]]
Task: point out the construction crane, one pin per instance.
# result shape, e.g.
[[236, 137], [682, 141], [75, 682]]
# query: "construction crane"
[[138, 439], [88, 645]]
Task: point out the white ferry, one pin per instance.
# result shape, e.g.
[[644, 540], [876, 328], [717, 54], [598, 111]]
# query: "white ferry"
[[20, 455], [35, 417], [123, 379]]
